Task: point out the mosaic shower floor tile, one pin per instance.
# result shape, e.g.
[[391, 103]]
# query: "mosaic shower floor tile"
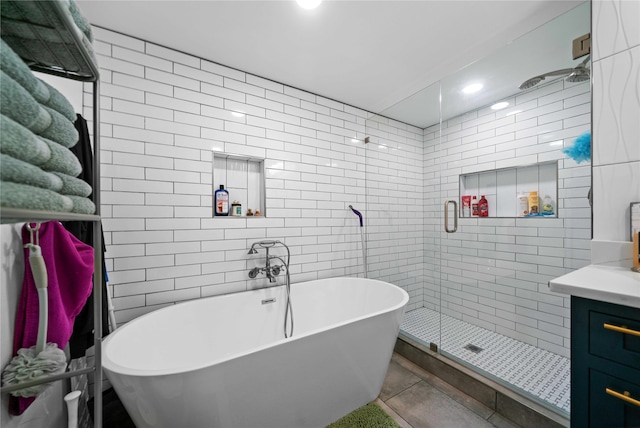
[[541, 374]]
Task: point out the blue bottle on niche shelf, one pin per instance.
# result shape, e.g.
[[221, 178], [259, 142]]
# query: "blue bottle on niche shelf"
[[221, 201]]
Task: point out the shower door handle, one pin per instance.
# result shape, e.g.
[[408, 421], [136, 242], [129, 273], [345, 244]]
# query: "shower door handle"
[[446, 216]]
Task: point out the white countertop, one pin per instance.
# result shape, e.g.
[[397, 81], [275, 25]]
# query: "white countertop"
[[598, 282]]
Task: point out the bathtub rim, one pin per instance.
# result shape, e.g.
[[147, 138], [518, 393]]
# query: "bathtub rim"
[[111, 367]]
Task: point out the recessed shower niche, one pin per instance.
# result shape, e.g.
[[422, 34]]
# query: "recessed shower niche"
[[502, 187], [243, 177]]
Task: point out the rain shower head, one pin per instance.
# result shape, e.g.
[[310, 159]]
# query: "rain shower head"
[[578, 74], [531, 82]]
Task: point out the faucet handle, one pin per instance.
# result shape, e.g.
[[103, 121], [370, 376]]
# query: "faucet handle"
[[254, 272]]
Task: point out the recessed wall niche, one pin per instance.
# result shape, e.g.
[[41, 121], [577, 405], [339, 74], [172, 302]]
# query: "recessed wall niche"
[[243, 177], [501, 188]]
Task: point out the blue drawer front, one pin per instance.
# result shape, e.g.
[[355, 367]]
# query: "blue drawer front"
[[612, 345]]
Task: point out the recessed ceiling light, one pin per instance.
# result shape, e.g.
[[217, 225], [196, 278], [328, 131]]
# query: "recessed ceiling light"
[[473, 88], [308, 4], [499, 106]]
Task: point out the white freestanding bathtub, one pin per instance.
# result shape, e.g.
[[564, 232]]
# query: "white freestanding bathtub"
[[223, 361]]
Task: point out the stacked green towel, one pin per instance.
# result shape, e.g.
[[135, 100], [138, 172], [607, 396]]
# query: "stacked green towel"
[[61, 130], [37, 169], [61, 160], [24, 11], [20, 143], [80, 20], [58, 102], [15, 195], [82, 205], [33, 13], [18, 104], [15, 68], [72, 185], [17, 171]]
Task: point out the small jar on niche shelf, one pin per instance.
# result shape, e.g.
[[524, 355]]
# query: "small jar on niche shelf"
[[236, 209]]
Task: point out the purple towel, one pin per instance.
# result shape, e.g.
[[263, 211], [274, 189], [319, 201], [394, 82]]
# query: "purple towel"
[[70, 272]]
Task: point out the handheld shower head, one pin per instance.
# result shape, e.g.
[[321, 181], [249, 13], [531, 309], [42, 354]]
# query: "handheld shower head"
[[262, 244], [356, 212]]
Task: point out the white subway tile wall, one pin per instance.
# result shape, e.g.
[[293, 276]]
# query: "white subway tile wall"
[[494, 271], [164, 113]]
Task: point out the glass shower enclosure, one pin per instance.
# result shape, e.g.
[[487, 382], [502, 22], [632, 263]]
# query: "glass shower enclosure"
[[478, 285]]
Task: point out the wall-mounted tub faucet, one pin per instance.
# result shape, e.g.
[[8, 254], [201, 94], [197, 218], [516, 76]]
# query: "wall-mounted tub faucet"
[[271, 271]]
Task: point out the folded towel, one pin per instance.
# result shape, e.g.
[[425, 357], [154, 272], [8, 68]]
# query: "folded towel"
[[61, 160], [24, 11], [82, 205], [72, 186], [61, 130], [16, 195], [18, 104], [51, 53], [20, 143], [49, 47], [40, 13], [17, 171], [15, 68], [59, 103], [80, 20]]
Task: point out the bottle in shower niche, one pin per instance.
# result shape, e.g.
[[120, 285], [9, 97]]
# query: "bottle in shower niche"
[[236, 209], [547, 206], [523, 205], [534, 203], [483, 207], [221, 200], [466, 206], [474, 207]]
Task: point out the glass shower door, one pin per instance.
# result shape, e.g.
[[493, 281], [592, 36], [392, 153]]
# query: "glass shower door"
[[497, 313]]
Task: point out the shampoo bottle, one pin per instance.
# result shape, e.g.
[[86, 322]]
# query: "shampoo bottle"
[[533, 203], [523, 205], [221, 198], [466, 206], [474, 207], [483, 207]]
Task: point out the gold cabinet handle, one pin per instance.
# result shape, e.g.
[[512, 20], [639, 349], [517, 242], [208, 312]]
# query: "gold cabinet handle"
[[622, 329], [626, 396]]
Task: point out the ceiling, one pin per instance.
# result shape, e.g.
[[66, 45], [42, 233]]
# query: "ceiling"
[[368, 54]]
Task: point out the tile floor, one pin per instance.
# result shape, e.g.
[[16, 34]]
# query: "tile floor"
[[417, 399], [540, 374]]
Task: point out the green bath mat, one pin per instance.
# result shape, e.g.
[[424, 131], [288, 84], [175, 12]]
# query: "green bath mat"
[[367, 416]]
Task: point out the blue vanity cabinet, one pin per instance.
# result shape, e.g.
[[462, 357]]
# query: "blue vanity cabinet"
[[605, 364]]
